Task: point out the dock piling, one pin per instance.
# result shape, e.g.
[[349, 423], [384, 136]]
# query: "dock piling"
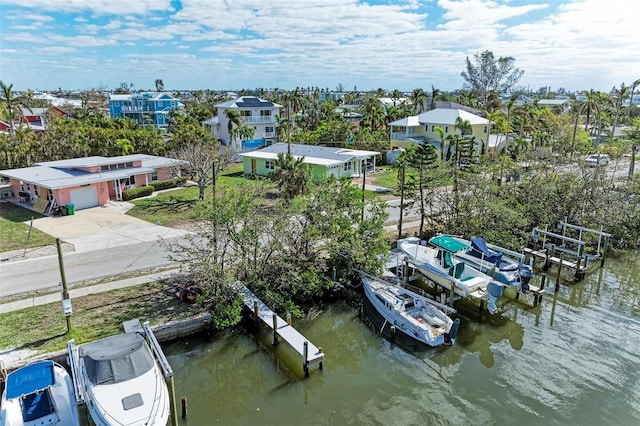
[[305, 358], [558, 273], [275, 329], [184, 407]]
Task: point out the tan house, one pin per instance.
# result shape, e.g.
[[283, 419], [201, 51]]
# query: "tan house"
[[85, 182], [421, 128]]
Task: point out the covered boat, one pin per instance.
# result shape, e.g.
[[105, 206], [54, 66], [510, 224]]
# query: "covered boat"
[[123, 384], [39, 394], [415, 316]]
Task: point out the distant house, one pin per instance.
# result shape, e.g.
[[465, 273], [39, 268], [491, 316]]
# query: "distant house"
[[36, 118], [150, 108], [90, 181], [324, 161], [421, 128], [258, 114]]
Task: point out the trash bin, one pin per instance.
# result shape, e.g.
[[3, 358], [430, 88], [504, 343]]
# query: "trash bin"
[[70, 209]]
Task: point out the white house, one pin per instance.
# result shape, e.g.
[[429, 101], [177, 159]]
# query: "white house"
[[258, 114]]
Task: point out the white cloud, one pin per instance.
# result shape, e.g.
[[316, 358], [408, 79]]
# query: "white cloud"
[[97, 7]]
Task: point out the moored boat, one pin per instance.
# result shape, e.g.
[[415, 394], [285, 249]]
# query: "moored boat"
[[40, 393], [505, 266], [413, 315], [122, 383]]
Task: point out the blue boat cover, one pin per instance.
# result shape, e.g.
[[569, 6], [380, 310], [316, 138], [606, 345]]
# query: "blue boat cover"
[[480, 250], [29, 379]]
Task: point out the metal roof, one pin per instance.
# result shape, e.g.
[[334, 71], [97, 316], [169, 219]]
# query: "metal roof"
[[248, 102], [448, 117], [313, 154]]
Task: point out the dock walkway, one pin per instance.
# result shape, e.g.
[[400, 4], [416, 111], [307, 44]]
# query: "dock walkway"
[[310, 353]]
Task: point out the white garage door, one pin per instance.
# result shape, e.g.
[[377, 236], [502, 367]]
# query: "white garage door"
[[84, 198]]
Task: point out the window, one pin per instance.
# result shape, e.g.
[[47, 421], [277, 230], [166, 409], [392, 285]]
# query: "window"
[[265, 113], [104, 168], [154, 175], [433, 127], [347, 167], [270, 165], [130, 181], [35, 190], [446, 129], [245, 113], [268, 129], [485, 129], [128, 164]]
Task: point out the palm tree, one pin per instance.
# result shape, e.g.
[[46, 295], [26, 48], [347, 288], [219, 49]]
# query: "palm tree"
[[434, 95], [234, 120], [620, 95], [125, 146], [12, 105], [291, 175], [419, 100]]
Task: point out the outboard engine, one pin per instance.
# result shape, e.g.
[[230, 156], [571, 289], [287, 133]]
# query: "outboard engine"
[[450, 337], [525, 273]]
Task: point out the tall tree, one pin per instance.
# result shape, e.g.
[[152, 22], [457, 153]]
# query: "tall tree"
[[12, 105], [419, 100], [489, 74], [206, 159], [234, 120]]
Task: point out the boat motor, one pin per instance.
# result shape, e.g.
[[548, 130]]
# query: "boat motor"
[[525, 273]]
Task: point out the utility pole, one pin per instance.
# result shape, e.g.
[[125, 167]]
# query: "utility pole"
[[66, 300], [401, 201], [364, 180]]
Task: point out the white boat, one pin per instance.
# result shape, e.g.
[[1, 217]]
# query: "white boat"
[[40, 393], [414, 316], [438, 265], [504, 265], [122, 382]]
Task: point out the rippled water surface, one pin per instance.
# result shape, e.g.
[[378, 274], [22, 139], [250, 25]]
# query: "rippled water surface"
[[573, 360]]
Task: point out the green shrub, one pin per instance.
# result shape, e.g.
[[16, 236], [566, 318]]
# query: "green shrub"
[[168, 183], [141, 191]]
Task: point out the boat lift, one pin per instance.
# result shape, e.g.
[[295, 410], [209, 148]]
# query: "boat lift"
[[576, 249]]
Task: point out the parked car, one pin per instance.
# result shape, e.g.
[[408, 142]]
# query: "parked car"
[[597, 160]]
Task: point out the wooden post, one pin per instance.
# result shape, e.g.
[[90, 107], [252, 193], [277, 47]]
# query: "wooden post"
[[255, 309], [320, 350], [275, 329], [289, 318], [546, 259], [63, 280], [172, 400], [305, 362], [558, 273], [604, 252], [184, 407], [538, 297], [452, 294], [26, 243], [578, 274]]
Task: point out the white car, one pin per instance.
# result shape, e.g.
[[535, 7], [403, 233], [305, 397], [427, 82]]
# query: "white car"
[[597, 160]]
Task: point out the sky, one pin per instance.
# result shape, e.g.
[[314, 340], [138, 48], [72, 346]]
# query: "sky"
[[361, 45]]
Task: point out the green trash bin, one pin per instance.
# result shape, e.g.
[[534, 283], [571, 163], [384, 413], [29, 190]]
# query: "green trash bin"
[[70, 209]]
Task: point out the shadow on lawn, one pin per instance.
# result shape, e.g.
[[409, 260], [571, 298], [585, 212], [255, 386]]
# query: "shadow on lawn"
[[171, 204]]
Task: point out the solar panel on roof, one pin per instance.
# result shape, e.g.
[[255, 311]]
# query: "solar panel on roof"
[[253, 102]]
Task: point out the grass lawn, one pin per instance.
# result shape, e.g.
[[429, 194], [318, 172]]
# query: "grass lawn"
[[43, 328], [387, 178], [13, 232], [177, 207]]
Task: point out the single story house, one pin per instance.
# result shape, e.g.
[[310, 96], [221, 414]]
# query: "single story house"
[[86, 182], [324, 161]]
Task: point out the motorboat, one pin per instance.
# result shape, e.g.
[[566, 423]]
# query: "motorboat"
[[40, 393], [415, 316], [504, 265], [122, 382]]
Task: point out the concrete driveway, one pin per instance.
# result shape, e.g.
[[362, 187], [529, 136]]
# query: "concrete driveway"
[[103, 227]]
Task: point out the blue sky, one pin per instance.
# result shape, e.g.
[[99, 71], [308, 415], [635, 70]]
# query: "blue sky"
[[235, 44]]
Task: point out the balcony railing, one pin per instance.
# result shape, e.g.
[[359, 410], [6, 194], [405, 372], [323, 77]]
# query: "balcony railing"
[[258, 119], [136, 109]]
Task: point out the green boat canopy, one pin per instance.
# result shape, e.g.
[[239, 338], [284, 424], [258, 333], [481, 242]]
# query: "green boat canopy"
[[448, 243]]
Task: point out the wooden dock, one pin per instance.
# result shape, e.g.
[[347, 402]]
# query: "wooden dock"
[[310, 353]]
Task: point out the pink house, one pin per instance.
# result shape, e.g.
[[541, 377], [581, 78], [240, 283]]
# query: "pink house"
[[87, 182]]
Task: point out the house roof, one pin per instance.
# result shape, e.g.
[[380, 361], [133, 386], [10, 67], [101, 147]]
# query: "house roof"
[[313, 154], [448, 116], [63, 173], [412, 121], [248, 102]]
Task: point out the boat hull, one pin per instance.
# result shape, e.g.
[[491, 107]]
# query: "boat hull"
[[61, 395]]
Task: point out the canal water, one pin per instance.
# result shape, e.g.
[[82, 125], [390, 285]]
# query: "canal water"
[[573, 360]]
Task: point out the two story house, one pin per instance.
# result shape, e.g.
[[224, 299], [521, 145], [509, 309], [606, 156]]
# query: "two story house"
[[150, 108], [258, 114], [421, 128]]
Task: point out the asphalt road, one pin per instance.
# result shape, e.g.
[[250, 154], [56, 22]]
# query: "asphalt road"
[[43, 274]]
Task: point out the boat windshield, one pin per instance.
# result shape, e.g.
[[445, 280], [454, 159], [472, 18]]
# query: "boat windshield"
[[116, 359], [29, 379]]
